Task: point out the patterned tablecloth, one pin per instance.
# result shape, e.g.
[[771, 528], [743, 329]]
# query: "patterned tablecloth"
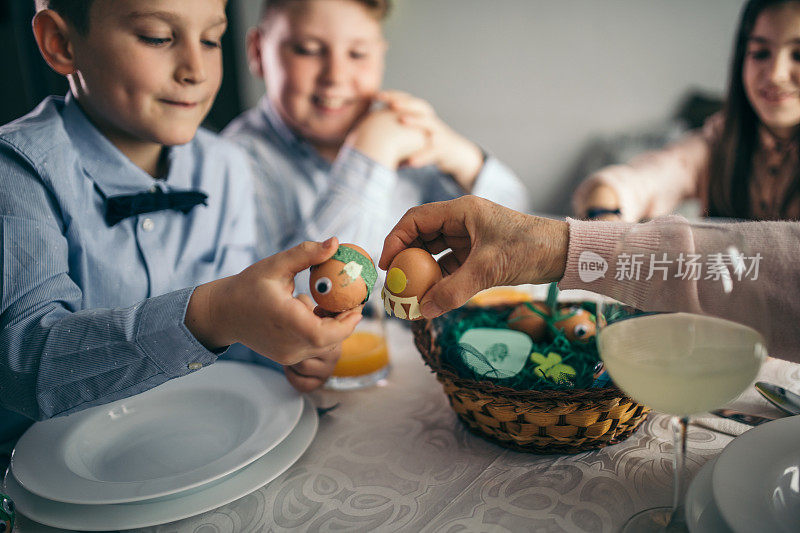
[[395, 458]]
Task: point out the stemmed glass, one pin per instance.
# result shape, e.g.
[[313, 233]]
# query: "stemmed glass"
[[684, 363]]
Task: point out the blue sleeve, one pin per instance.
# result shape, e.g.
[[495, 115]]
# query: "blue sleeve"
[[495, 182], [55, 356], [354, 206]]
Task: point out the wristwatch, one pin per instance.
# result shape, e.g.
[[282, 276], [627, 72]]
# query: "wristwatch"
[[595, 212]]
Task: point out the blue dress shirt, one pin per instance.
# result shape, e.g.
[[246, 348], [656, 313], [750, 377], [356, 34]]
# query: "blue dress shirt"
[[301, 196], [90, 313]]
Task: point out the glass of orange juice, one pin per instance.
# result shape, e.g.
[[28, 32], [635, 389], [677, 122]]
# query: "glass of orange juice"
[[365, 354]]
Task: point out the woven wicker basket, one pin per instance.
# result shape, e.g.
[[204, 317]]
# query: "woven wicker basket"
[[561, 422]]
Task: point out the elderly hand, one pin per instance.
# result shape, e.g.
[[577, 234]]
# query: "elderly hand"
[[452, 153], [489, 245]]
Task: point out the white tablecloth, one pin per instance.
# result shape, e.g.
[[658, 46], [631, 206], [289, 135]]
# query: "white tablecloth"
[[396, 458]]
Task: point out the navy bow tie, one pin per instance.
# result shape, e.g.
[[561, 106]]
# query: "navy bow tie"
[[127, 205]]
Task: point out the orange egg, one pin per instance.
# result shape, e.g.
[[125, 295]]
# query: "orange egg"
[[579, 327], [338, 286], [412, 272], [528, 321]]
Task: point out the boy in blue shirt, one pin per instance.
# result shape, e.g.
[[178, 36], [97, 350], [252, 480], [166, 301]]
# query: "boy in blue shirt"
[[326, 161], [127, 235]]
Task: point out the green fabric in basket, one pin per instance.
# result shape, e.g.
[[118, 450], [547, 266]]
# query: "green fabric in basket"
[[495, 352], [582, 357]]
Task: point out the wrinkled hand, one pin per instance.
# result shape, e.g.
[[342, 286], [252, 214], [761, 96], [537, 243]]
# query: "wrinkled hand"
[[383, 138], [256, 308], [452, 153], [490, 245]]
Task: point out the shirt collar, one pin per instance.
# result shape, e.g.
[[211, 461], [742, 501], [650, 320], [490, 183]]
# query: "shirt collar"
[[287, 136], [108, 167]]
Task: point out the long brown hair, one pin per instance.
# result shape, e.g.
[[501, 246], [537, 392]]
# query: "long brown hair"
[[731, 162]]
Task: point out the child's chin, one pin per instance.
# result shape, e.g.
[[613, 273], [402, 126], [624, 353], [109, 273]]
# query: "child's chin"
[[176, 138]]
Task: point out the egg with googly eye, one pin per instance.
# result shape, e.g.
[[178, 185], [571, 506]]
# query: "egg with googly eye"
[[578, 326], [344, 281], [411, 273]]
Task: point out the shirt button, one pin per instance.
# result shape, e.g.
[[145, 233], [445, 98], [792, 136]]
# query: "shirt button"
[[148, 224], [195, 366]]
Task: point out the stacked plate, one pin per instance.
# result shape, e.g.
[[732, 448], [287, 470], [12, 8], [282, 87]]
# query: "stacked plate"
[[185, 447], [754, 485]]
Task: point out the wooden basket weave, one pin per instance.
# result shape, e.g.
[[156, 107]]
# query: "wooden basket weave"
[[552, 421]]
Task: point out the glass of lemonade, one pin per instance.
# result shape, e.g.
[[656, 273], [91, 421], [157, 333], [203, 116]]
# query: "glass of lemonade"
[[365, 354], [681, 364]]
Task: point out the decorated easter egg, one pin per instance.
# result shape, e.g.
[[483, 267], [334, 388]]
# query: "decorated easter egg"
[[343, 281], [412, 272], [526, 320], [578, 325]]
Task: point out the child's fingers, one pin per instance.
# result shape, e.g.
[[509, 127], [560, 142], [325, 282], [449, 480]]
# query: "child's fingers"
[[335, 330], [323, 313], [392, 95], [303, 256], [404, 103], [413, 107], [322, 332], [421, 158], [320, 365], [427, 123], [303, 383], [306, 299]]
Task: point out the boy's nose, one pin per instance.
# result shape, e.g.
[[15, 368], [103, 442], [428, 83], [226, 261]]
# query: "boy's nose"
[[191, 68], [335, 70]]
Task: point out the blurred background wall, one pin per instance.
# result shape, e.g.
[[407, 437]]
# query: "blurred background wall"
[[550, 87]]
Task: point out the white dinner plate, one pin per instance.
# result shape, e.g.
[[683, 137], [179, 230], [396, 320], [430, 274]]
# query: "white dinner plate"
[[175, 507], [702, 514], [182, 434], [757, 478]]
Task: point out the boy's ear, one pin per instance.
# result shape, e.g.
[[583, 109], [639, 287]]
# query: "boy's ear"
[[253, 41], [52, 35]]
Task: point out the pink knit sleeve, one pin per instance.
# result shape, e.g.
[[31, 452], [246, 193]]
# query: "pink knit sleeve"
[[748, 272], [654, 183]]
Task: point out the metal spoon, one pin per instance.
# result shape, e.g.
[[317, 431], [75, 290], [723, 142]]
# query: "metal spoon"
[[785, 400]]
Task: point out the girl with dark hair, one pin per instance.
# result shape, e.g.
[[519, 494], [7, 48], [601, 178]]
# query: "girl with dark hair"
[[743, 163]]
